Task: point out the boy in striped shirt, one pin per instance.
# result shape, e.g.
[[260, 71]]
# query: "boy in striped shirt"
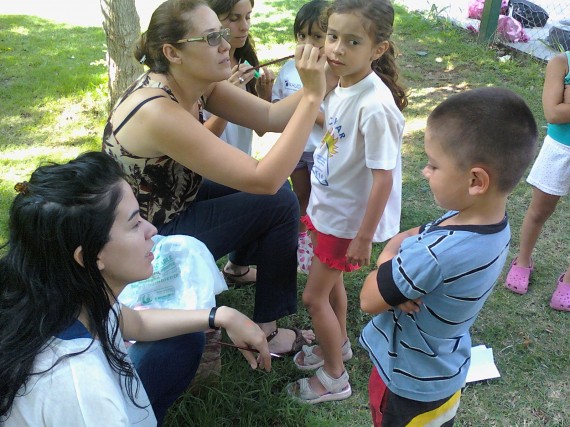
[[433, 280]]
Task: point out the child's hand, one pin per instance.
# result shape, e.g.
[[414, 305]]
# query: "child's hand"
[[359, 251], [410, 306]]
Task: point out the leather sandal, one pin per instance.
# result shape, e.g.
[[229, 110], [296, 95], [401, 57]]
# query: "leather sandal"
[[312, 361], [299, 342], [337, 388], [518, 278], [561, 297], [237, 280]]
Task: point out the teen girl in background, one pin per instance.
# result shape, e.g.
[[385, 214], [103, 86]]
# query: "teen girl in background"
[[236, 15]]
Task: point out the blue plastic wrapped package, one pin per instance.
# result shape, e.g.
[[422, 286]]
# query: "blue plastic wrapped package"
[[185, 276]]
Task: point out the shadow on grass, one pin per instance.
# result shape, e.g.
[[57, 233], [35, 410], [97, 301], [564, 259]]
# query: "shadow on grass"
[[43, 64]]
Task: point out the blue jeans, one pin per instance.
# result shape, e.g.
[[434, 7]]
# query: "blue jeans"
[[253, 229], [167, 367]]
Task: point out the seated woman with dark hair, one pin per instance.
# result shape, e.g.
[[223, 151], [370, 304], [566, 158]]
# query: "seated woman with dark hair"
[[76, 240]]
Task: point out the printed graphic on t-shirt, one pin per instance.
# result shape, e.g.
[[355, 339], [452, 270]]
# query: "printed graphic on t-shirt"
[[330, 141], [292, 86]]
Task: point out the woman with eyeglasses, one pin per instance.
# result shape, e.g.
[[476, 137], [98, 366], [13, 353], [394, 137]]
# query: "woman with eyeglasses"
[[157, 138], [236, 16], [76, 239]]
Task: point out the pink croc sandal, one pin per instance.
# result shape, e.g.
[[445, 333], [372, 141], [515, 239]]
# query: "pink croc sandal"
[[519, 277], [561, 297]]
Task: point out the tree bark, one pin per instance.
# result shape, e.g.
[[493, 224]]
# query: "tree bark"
[[122, 28]]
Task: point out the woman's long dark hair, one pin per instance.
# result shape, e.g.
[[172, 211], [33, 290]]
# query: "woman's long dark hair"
[[42, 288], [380, 16], [242, 54]]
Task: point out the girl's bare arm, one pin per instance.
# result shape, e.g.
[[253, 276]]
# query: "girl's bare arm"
[[554, 94], [360, 248]]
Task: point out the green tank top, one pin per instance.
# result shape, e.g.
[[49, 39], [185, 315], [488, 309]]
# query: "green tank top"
[[560, 132]]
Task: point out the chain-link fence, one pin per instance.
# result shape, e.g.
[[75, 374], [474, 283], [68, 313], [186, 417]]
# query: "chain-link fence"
[[542, 27], [545, 22]]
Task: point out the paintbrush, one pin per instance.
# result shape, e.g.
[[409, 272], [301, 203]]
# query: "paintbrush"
[[253, 350], [275, 61]]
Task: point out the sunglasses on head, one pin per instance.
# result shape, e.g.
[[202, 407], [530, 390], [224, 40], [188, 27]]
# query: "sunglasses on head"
[[213, 39]]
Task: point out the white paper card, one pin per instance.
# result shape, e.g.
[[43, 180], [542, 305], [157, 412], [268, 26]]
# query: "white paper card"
[[482, 365]]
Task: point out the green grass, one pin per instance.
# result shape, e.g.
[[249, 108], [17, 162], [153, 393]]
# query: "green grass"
[[53, 94]]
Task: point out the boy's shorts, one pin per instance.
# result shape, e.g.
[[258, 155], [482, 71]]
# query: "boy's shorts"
[[330, 250], [306, 161], [389, 409], [550, 172]]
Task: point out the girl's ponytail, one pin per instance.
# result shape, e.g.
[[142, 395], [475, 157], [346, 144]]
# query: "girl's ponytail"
[[378, 17], [385, 67]]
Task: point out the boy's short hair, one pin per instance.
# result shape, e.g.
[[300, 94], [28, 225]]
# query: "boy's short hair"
[[313, 12], [490, 127]]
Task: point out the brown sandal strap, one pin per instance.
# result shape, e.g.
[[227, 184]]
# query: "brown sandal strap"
[[297, 344], [299, 341], [235, 276], [272, 335]]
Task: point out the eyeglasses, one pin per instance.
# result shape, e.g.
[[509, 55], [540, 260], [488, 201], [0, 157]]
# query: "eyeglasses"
[[214, 38]]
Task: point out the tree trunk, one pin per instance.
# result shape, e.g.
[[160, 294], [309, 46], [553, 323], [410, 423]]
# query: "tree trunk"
[[122, 28]]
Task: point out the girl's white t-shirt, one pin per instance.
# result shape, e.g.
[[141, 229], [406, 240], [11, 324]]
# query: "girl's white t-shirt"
[[364, 130]]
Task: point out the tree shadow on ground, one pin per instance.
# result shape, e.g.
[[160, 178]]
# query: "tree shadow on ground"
[[43, 63]]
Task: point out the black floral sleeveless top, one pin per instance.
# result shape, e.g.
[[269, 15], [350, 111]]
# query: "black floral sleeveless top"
[[162, 186]]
